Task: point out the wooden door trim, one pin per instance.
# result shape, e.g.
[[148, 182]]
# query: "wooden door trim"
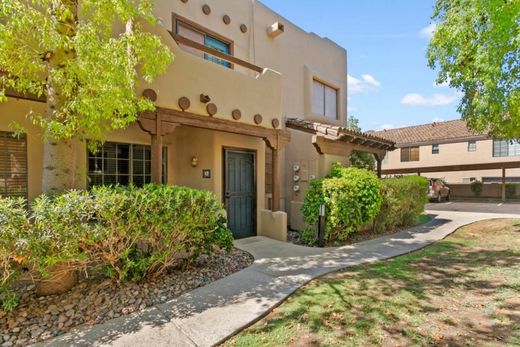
[[225, 149]]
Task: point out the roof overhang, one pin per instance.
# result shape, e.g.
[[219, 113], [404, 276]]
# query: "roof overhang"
[[337, 140]]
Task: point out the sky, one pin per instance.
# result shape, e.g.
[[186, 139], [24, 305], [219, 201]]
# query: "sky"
[[390, 83]]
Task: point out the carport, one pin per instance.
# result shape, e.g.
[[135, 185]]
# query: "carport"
[[466, 167]]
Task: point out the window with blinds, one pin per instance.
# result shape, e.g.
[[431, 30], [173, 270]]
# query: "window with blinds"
[[503, 148], [410, 154], [13, 165], [324, 100], [199, 35], [124, 164]]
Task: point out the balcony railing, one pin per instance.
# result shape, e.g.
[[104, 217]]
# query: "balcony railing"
[[229, 58]]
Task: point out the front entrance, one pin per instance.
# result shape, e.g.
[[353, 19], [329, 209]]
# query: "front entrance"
[[240, 191]]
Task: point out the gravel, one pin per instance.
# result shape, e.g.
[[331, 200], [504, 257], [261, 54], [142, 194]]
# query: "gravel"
[[94, 301]]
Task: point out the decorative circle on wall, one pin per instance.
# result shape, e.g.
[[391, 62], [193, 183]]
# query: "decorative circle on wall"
[[258, 118], [150, 94], [211, 108], [275, 123], [243, 28], [236, 114], [206, 9], [184, 103], [226, 19]]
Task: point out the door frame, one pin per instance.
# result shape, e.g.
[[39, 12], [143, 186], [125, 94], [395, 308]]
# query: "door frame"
[[225, 149]]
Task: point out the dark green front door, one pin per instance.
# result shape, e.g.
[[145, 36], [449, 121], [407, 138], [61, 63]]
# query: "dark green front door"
[[240, 192]]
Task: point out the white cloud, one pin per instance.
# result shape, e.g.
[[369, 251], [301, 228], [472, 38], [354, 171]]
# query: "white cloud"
[[416, 99], [363, 85], [437, 120], [427, 32]]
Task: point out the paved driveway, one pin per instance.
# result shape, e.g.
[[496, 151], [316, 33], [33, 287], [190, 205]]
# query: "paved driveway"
[[481, 207]]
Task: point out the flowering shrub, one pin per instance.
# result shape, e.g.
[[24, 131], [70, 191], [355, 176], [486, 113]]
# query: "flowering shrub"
[[127, 232]]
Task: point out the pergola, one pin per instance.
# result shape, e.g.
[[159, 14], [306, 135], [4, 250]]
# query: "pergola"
[[341, 141]]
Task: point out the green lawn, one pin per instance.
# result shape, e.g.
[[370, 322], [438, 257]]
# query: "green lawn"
[[462, 291]]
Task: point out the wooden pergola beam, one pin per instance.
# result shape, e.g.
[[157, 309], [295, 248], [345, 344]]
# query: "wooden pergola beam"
[[447, 168]]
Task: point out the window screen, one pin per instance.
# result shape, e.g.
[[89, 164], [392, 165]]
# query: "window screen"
[[324, 100], [13, 165], [410, 154]]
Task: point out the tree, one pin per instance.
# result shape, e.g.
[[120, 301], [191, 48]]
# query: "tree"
[[476, 46], [86, 58], [361, 160]]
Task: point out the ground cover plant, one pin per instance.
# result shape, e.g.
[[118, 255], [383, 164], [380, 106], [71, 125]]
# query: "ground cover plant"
[[461, 291]]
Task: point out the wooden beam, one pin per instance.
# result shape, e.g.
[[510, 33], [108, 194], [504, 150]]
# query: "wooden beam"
[[187, 42], [274, 137], [447, 168]]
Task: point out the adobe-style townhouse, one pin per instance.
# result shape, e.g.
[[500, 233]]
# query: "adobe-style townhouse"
[[451, 151], [252, 108]]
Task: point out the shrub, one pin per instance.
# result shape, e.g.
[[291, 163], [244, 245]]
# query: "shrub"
[[352, 198], [403, 201], [476, 188], [511, 190], [127, 232]]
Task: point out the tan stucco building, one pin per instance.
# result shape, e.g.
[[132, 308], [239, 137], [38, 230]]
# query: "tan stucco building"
[[442, 149], [240, 73]]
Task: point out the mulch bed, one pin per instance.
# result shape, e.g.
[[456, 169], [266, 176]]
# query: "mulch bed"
[[98, 300]]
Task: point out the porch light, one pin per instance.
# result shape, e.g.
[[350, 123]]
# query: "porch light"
[[194, 161]]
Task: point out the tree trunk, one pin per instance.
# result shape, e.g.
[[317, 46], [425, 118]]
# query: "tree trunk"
[[58, 155]]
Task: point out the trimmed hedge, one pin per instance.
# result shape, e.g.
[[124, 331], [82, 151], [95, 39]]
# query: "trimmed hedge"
[[352, 198], [126, 232], [403, 201]]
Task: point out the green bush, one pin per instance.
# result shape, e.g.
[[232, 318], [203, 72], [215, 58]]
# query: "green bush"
[[476, 188], [352, 198], [403, 201], [511, 190], [128, 232]]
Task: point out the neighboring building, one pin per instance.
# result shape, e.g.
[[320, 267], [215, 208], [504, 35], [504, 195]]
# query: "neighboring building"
[[450, 143], [240, 70]]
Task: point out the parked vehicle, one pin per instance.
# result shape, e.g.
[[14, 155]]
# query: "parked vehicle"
[[438, 190]]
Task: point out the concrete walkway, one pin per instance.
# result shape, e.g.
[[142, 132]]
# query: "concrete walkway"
[[208, 315]]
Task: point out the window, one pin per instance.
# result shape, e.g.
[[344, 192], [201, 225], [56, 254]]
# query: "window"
[[410, 154], [468, 180], [13, 165], [118, 163], [200, 35], [472, 146], [324, 100], [506, 148], [435, 149]]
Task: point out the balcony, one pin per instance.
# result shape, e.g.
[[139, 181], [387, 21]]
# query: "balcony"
[[245, 94]]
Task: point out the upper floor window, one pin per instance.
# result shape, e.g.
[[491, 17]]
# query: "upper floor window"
[[13, 165], [503, 148], [472, 146], [198, 34], [324, 100], [410, 154], [435, 149], [120, 163]]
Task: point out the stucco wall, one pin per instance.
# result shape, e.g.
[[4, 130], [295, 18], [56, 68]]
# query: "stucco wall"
[[453, 154]]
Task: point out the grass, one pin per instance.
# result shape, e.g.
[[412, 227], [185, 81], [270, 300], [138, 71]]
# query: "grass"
[[462, 291]]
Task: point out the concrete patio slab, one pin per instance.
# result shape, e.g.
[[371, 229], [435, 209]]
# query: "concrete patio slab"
[[208, 315]]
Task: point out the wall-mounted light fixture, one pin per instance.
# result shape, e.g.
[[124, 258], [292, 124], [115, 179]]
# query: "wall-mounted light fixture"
[[194, 161], [275, 29]]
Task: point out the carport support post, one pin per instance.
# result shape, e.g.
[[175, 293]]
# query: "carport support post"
[[503, 184], [156, 159]]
